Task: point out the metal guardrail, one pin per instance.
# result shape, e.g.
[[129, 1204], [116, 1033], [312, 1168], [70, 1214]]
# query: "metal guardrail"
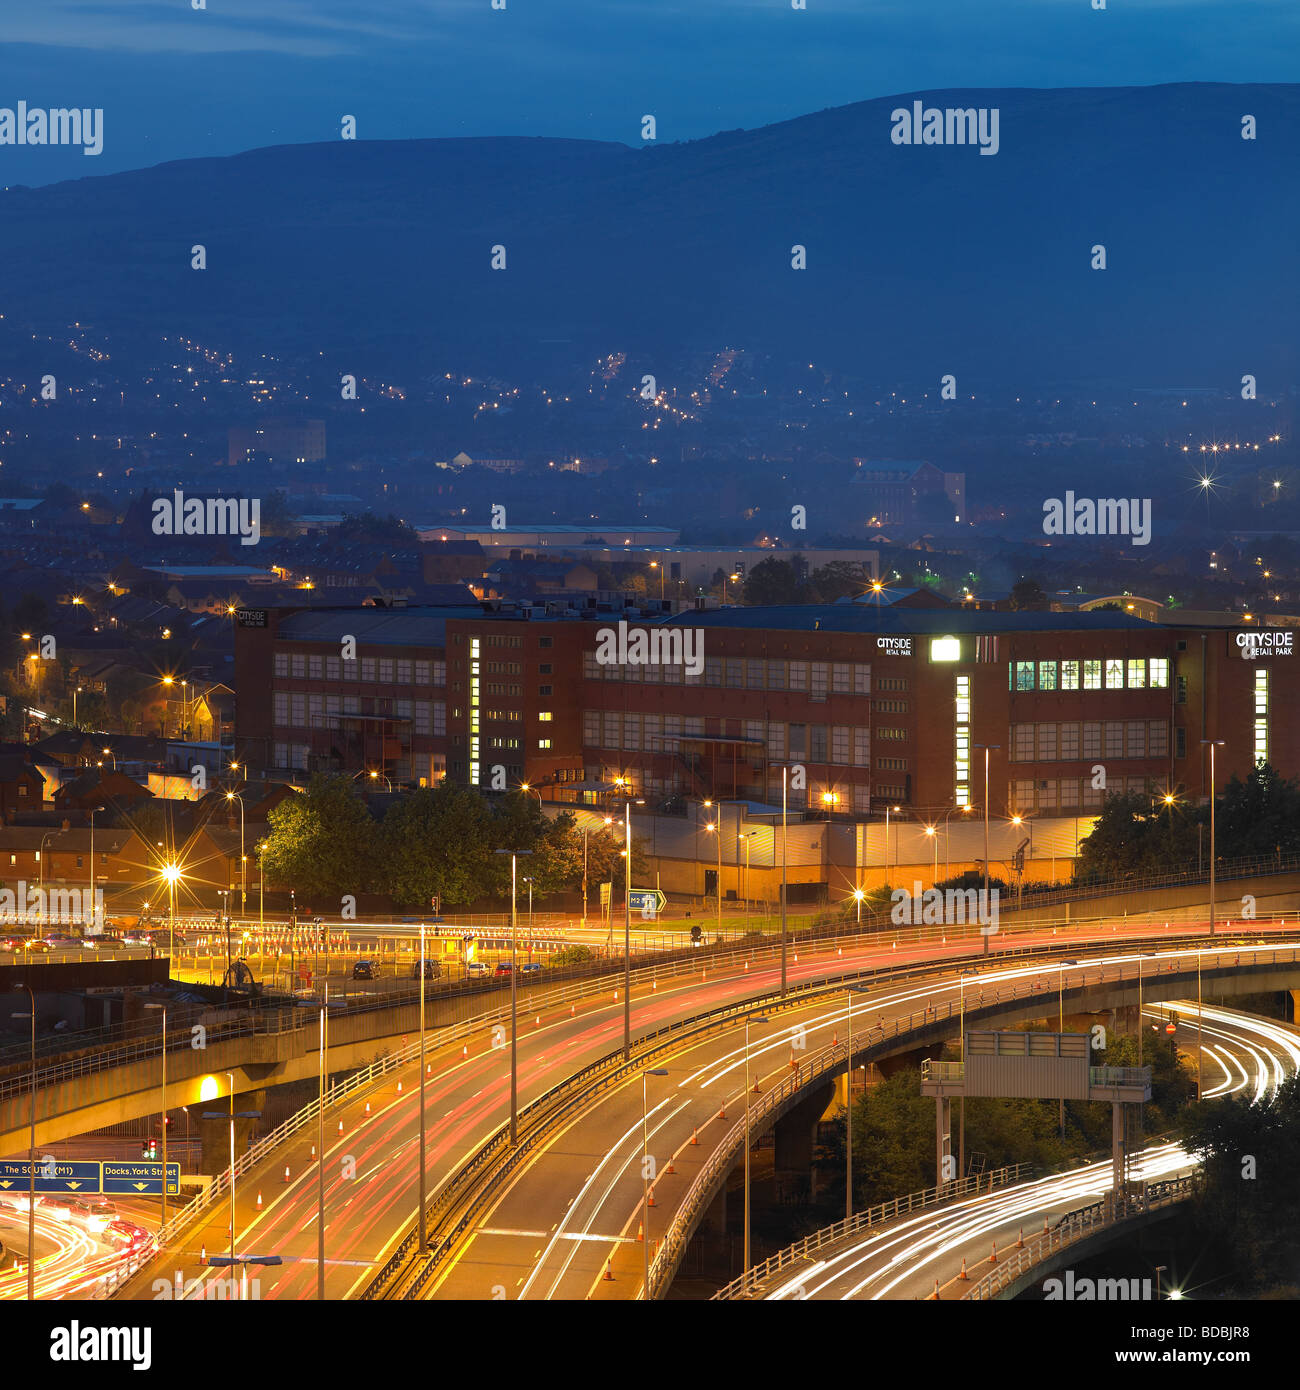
[[942, 1071], [753, 1279], [1119, 1076], [1075, 1227]]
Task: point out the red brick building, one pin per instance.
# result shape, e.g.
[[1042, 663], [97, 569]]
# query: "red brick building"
[[862, 706]]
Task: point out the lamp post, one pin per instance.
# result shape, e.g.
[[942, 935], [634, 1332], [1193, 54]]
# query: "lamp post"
[[514, 996], [243, 859], [171, 873], [889, 858], [1212, 744], [931, 831], [986, 747], [423, 1231], [93, 811], [645, 1179], [748, 1021], [163, 1007], [858, 895], [31, 1152], [320, 1139], [584, 875], [784, 772], [627, 931], [716, 827], [848, 1107]]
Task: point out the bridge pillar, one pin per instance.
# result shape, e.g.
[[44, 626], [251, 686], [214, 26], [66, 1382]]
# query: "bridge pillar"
[[942, 1138], [1294, 1012], [214, 1134], [796, 1132]]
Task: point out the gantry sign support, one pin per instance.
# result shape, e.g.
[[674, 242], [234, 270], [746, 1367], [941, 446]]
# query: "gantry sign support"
[[1040, 1066]]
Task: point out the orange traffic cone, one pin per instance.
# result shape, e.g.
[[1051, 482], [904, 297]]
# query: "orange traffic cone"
[[340, 1126], [1020, 1241], [286, 1172], [963, 1274], [609, 1272], [670, 1168], [993, 1258], [313, 1150], [935, 1294], [654, 984], [259, 1201], [367, 1109], [571, 1008], [399, 1087], [695, 1136], [722, 1114], [756, 1091], [640, 1231], [650, 1198], [203, 1254]]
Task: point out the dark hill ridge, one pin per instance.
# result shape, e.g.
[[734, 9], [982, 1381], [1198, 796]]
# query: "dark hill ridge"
[[921, 260]]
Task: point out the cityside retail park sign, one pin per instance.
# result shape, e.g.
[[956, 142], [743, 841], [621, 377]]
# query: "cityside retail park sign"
[[1274, 642], [894, 646]]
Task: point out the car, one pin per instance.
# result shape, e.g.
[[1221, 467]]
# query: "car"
[[432, 970], [532, 967], [34, 943], [478, 969], [364, 970], [125, 1234], [504, 968], [105, 941], [58, 1205], [62, 941], [11, 943], [135, 939]]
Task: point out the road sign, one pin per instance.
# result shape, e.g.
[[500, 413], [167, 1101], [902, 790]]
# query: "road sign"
[[141, 1179], [50, 1177], [647, 901]]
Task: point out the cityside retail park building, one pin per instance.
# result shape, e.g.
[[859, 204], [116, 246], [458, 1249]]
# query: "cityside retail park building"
[[863, 709]]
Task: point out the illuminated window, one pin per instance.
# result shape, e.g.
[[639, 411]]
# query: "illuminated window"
[[1024, 675], [961, 743], [945, 649], [1158, 672], [1092, 675], [1069, 675], [1261, 715], [543, 743], [545, 716], [1137, 674], [1047, 675], [1114, 674]]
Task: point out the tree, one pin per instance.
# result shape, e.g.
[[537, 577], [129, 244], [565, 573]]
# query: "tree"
[[1131, 836], [1258, 816], [439, 840], [369, 529], [839, 579], [771, 581], [322, 842], [1027, 596]]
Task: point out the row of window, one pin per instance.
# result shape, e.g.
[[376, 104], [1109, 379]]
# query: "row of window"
[[291, 710], [819, 679], [1110, 673], [798, 799], [1070, 795], [843, 744], [385, 670], [1110, 738]]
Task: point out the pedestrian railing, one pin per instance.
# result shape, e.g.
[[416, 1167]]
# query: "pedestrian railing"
[[1077, 1226], [752, 1281]]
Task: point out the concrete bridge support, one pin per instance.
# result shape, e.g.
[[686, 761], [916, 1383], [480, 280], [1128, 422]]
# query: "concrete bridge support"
[[214, 1129], [796, 1132]]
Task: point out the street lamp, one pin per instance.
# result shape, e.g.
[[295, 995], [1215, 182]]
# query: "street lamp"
[[748, 1021], [243, 858], [514, 996], [423, 1231], [931, 831], [220, 1115], [645, 1178], [375, 776], [986, 747], [93, 811], [889, 866], [858, 895], [717, 829], [172, 873], [1212, 744], [627, 931], [31, 1152], [163, 1007]]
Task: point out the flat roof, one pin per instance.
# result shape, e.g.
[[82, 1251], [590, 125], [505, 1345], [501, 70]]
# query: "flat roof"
[[855, 617], [395, 627]]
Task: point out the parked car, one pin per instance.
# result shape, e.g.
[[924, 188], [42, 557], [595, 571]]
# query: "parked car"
[[61, 941], [105, 941], [503, 968], [477, 969], [532, 967], [432, 970], [34, 943], [364, 970], [135, 938]]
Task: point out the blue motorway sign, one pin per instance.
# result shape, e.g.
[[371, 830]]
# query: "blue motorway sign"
[[51, 1176], [123, 1176], [141, 1179], [647, 901]]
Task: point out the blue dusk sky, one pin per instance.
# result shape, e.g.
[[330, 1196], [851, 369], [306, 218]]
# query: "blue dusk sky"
[[177, 83]]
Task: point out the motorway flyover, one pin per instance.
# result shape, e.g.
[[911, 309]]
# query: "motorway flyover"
[[467, 1098], [570, 1222], [915, 1255]]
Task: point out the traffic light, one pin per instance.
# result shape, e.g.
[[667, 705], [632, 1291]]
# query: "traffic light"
[[149, 1149], [697, 934]]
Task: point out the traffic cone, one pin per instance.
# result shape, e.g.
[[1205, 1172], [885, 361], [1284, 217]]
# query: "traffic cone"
[[695, 1136], [654, 984], [609, 1272], [1044, 1225], [963, 1274], [286, 1172], [367, 1109], [203, 1254], [650, 1198], [640, 1231], [756, 1091], [340, 1126], [259, 1201], [313, 1150], [935, 1294], [1020, 1240], [835, 1039], [722, 1114], [539, 1020], [670, 1168], [993, 1258], [428, 1069], [571, 1008], [399, 1086]]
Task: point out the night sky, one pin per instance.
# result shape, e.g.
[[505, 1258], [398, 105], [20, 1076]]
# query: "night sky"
[[177, 83]]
